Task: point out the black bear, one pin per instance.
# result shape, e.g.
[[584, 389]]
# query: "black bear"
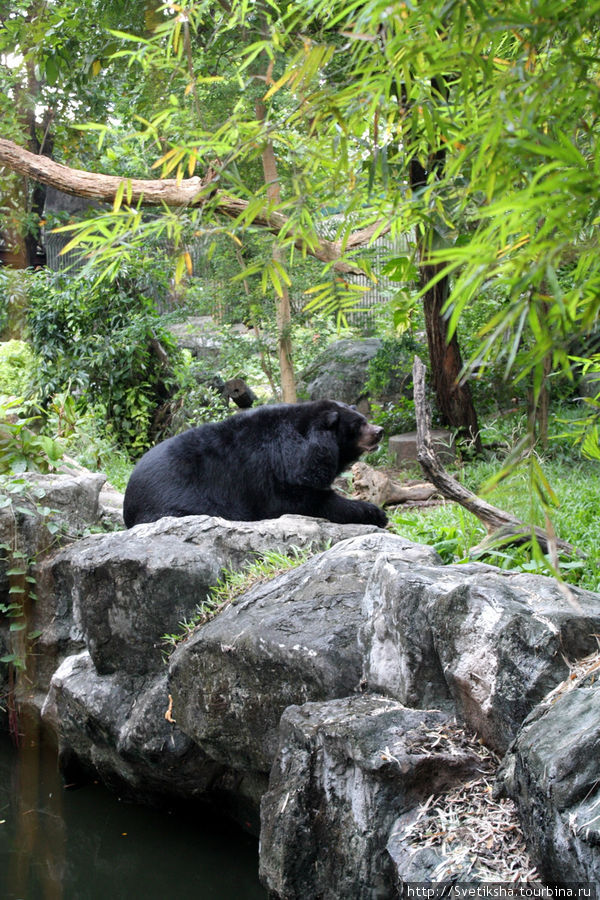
[[258, 464]]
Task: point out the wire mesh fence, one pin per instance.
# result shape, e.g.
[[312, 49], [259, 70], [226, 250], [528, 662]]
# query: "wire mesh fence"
[[374, 291]]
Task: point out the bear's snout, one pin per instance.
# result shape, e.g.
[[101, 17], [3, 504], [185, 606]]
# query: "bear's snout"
[[370, 437]]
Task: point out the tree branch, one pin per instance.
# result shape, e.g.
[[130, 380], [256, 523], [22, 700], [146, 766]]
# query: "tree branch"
[[503, 528], [171, 192]]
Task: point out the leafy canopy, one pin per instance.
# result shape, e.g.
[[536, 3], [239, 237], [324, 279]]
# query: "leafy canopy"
[[494, 102]]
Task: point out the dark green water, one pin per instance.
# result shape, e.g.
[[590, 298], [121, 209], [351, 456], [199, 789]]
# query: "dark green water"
[[58, 843]]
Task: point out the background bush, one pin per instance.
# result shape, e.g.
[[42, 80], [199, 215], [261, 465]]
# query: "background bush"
[[16, 368], [105, 344]]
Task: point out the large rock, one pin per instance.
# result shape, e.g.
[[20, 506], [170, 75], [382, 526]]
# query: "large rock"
[[45, 510], [553, 774], [492, 642], [39, 513], [341, 370], [285, 642], [200, 336], [115, 725], [129, 589], [277, 678], [344, 773]]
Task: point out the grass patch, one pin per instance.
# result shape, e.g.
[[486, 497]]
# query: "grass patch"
[[451, 530], [235, 582]]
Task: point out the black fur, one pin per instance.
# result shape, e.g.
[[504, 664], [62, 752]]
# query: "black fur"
[[258, 464]]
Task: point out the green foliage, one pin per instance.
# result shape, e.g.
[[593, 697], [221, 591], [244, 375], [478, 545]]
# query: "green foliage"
[[582, 427], [394, 416], [473, 126], [13, 301], [88, 438], [576, 517], [390, 370], [22, 448], [251, 355], [16, 368], [3, 300], [26, 500], [449, 530], [99, 342], [196, 399], [389, 383]]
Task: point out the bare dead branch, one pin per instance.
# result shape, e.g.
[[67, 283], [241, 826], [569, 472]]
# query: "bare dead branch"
[[379, 488], [502, 527]]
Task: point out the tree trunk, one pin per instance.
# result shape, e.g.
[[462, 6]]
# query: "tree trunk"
[[453, 396], [284, 315]]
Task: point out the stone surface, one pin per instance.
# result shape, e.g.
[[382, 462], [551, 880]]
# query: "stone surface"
[[552, 772], [110, 500], [495, 643], [129, 589], [285, 642], [45, 512], [115, 726], [200, 336], [344, 773], [340, 371], [404, 446], [279, 678], [66, 502]]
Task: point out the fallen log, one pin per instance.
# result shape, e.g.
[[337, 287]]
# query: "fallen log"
[[381, 489], [503, 528]]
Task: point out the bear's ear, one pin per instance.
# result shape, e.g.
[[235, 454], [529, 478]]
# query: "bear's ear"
[[331, 418]]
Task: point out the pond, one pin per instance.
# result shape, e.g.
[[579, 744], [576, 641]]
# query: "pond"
[[61, 843]]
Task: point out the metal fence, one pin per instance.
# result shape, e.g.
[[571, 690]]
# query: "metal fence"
[[375, 292]]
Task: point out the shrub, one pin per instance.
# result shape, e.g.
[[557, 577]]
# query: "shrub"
[[13, 301], [105, 344], [389, 383], [22, 449], [16, 368], [197, 399]]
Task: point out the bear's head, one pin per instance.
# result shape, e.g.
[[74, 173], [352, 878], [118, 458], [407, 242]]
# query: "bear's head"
[[354, 434]]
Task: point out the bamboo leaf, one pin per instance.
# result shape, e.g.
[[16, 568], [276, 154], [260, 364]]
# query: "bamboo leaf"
[[119, 197]]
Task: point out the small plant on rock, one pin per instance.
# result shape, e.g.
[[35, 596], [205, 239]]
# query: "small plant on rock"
[[233, 583]]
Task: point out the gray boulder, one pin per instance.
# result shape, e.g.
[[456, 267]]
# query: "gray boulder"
[[341, 370], [115, 725], [344, 773], [276, 682], [285, 642], [129, 589], [492, 642], [200, 336], [552, 772], [41, 511]]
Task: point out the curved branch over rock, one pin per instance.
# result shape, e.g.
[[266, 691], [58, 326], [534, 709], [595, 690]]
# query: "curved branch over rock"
[[503, 529]]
